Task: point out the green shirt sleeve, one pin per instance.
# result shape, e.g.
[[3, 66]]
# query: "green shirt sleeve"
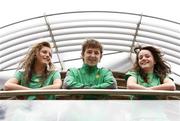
[[130, 73], [109, 82], [51, 77], [56, 75], [19, 75], [70, 81]]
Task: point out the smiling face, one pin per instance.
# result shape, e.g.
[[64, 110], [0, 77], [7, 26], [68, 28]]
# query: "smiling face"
[[44, 55], [91, 56], [146, 60]]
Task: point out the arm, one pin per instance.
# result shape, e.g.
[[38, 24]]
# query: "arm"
[[13, 84], [168, 84], [70, 82], [57, 83], [53, 81], [132, 84], [109, 82]]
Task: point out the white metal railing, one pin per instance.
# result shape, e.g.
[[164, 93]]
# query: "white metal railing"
[[67, 92]]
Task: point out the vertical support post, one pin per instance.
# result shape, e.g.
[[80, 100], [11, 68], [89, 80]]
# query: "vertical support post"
[[54, 42]]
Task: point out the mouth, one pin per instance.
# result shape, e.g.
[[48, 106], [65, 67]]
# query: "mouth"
[[92, 60], [46, 59], [144, 63]]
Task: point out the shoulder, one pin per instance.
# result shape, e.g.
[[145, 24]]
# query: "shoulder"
[[55, 72], [72, 70], [19, 73], [105, 70], [131, 73]]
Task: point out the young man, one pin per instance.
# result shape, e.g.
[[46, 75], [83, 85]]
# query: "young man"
[[89, 76]]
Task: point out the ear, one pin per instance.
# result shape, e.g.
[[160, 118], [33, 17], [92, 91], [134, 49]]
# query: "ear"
[[100, 58], [82, 56], [35, 55]]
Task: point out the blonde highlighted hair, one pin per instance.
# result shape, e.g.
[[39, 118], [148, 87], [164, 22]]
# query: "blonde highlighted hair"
[[27, 63]]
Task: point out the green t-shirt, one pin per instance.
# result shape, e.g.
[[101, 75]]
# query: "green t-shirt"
[[153, 80], [37, 81]]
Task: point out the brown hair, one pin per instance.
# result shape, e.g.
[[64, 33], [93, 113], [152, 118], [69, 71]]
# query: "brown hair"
[[27, 63], [91, 43], [161, 68]]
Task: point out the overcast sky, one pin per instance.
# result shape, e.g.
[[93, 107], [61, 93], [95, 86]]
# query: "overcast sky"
[[16, 10]]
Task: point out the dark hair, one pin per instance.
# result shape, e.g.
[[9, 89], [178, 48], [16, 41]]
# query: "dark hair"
[[91, 43], [161, 68]]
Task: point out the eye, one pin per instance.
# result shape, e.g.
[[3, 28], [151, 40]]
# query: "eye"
[[140, 57], [96, 52], [44, 51], [147, 56], [89, 52]]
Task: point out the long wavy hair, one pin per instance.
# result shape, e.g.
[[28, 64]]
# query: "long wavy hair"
[[28, 62], [161, 68]]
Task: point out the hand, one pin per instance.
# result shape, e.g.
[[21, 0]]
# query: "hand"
[[41, 97], [87, 87], [148, 88]]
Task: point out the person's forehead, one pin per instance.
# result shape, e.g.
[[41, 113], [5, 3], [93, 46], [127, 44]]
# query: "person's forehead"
[[92, 49], [143, 52], [46, 48]]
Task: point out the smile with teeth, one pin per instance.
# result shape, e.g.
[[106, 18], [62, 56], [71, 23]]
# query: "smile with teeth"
[[144, 63]]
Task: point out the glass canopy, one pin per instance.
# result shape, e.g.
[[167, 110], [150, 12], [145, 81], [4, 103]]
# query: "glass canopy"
[[119, 32]]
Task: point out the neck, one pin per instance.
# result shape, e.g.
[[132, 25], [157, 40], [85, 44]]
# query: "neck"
[[90, 68], [39, 68], [148, 70], [86, 65]]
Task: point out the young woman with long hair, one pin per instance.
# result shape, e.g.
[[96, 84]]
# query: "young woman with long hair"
[[150, 71], [36, 71]]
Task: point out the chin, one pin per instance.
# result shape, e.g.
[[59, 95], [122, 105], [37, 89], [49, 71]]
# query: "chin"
[[92, 64], [144, 68], [45, 63]]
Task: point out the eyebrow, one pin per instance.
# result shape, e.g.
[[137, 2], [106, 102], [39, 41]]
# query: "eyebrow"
[[144, 54], [50, 54]]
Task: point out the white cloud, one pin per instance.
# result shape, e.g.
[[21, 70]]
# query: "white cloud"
[[16, 10]]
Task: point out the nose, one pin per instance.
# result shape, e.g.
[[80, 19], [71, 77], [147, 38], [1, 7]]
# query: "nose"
[[48, 56], [93, 54], [143, 58]]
